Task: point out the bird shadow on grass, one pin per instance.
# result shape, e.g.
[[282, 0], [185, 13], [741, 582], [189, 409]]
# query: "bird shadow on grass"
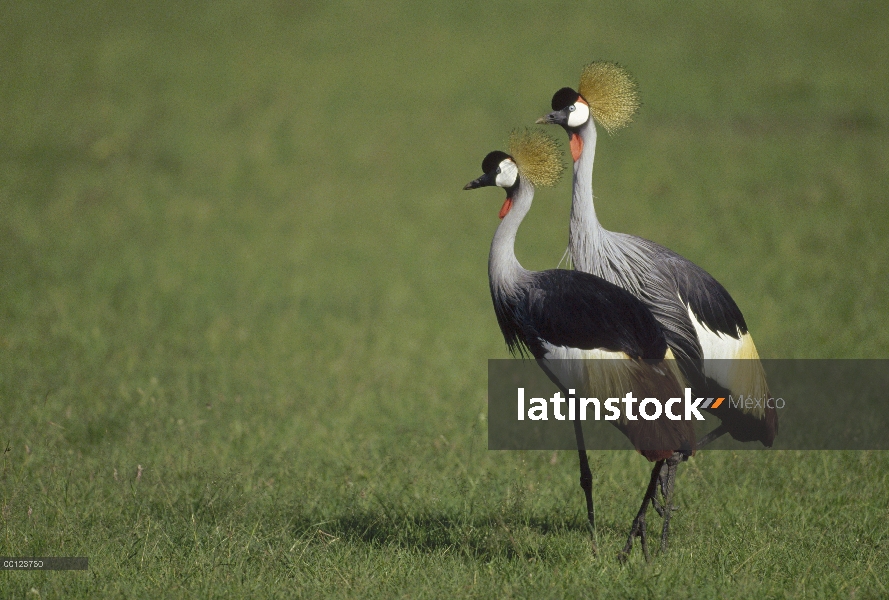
[[482, 537]]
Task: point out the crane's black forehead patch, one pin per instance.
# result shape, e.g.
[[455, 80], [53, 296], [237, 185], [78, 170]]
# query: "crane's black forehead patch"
[[564, 97], [492, 160]]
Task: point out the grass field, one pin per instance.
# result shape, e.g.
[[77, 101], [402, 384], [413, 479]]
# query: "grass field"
[[244, 308]]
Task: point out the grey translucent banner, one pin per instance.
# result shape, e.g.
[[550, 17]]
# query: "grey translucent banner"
[[44, 563], [820, 404]]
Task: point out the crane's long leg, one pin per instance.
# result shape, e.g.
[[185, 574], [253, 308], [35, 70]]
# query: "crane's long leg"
[[638, 528], [586, 479], [667, 489], [667, 481], [666, 475], [663, 473], [663, 476], [713, 435], [586, 476], [667, 478]]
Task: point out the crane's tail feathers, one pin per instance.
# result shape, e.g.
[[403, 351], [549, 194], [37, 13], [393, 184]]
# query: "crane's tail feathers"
[[655, 439]]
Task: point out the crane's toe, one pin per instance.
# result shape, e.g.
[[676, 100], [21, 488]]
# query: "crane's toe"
[[636, 531]]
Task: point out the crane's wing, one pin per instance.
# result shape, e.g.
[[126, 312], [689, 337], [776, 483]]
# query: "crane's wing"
[[577, 315], [578, 310], [730, 358], [701, 324]]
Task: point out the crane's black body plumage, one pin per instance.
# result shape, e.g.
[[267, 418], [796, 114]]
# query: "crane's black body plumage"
[[577, 310], [708, 299]]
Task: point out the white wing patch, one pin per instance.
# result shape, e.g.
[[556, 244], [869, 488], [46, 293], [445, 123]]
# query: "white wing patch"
[[588, 376], [613, 377], [561, 352], [715, 344], [733, 363]]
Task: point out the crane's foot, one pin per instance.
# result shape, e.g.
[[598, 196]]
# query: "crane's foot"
[[636, 531], [638, 527]]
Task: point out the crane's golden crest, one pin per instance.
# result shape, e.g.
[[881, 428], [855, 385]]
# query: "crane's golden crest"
[[611, 93], [537, 155]]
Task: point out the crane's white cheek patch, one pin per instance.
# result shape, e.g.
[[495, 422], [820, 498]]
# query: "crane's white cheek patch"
[[580, 115], [507, 175]]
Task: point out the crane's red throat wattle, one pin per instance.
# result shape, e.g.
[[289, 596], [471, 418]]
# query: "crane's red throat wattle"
[[576, 144], [507, 205]]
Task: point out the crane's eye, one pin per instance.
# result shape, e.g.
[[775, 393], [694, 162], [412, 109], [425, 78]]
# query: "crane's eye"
[[498, 170], [572, 108]]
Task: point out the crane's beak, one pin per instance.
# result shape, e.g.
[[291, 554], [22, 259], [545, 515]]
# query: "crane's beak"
[[487, 179], [557, 117]]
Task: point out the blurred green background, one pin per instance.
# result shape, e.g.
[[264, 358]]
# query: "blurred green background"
[[244, 308]]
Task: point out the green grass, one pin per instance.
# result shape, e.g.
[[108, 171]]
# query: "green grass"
[[234, 252]]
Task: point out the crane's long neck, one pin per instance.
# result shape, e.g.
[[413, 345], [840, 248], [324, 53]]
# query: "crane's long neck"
[[504, 270], [585, 232]]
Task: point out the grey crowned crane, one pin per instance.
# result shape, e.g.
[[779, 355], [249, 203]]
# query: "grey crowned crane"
[[700, 319], [563, 314]]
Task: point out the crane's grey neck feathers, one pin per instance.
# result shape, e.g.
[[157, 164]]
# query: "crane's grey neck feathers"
[[625, 260], [585, 230], [504, 269], [615, 257]]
